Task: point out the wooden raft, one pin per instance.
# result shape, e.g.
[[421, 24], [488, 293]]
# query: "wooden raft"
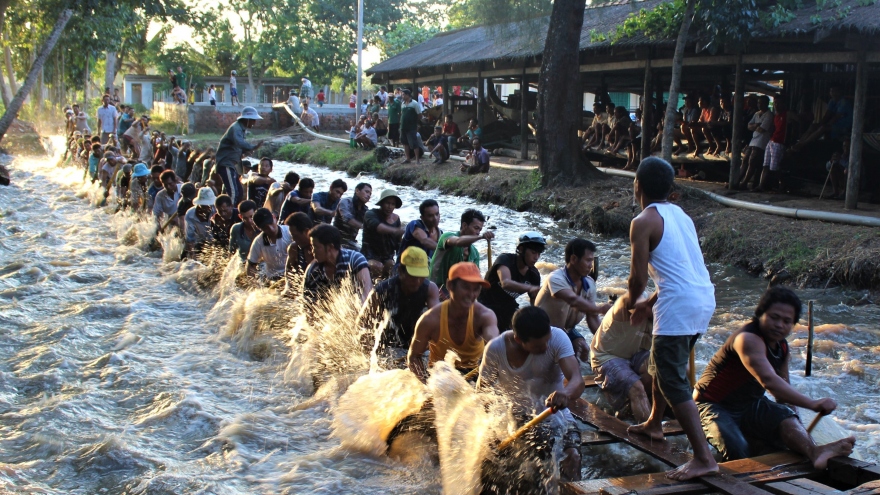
[[780, 473]]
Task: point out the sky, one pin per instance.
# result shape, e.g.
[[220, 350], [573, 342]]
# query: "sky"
[[182, 34]]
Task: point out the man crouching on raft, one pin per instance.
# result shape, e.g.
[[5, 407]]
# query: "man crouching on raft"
[[664, 245], [459, 324], [730, 393]]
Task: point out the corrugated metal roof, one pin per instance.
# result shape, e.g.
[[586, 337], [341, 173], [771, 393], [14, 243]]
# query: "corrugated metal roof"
[[526, 39]]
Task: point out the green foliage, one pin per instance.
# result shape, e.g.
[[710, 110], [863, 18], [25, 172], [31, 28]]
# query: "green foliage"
[[776, 15], [404, 36], [524, 188], [718, 22], [492, 12]]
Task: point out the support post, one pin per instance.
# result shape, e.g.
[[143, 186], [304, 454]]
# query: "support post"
[[524, 116], [481, 93], [855, 143], [808, 370], [447, 103], [647, 112], [736, 146], [360, 54]]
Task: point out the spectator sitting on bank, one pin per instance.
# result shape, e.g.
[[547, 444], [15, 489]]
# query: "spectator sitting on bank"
[[310, 117], [607, 140], [293, 103], [836, 123], [703, 128], [367, 138], [436, 144], [383, 95], [837, 168], [450, 132], [380, 126], [473, 132], [477, 161], [593, 134], [690, 117], [622, 133], [722, 128], [438, 100]]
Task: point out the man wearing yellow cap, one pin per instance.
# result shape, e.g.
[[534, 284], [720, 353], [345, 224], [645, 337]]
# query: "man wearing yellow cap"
[[459, 324], [403, 298]]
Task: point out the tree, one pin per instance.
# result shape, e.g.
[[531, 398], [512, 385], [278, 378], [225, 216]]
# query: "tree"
[[405, 36], [558, 86], [31, 79]]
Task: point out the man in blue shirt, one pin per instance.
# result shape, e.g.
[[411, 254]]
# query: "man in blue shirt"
[[477, 161], [324, 204]]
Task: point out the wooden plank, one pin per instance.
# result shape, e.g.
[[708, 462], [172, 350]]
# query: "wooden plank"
[[591, 437], [801, 486], [872, 488], [662, 451], [781, 466], [590, 381], [852, 471]]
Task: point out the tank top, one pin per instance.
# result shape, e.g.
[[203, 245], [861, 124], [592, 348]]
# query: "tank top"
[[687, 297], [727, 381], [469, 352]]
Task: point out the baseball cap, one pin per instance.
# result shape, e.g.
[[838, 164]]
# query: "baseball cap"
[[468, 272], [415, 260]]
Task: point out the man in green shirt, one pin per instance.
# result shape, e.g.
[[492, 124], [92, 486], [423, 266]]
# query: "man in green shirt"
[[454, 247], [409, 125], [394, 120]]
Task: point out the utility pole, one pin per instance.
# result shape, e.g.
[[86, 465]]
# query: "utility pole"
[[360, 49]]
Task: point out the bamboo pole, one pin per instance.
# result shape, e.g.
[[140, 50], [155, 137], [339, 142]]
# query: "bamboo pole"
[[647, 112], [809, 365], [736, 138], [855, 143]]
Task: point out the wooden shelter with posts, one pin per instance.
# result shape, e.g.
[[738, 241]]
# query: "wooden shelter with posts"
[[799, 60]]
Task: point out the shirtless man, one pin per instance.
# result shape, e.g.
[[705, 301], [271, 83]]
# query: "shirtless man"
[[460, 324], [755, 359], [682, 305]]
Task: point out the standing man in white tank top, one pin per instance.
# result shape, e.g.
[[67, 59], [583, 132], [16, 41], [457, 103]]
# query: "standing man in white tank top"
[[664, 245]]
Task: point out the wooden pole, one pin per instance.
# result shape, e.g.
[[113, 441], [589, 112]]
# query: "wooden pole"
[[524, 116], [647, 111], [447, 103], [736, 145], [526, 427], [808, 370], [855, 143], [480, 94]]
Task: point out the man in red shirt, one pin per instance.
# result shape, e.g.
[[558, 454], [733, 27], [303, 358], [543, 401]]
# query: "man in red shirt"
[[450, 131], [776, 147]]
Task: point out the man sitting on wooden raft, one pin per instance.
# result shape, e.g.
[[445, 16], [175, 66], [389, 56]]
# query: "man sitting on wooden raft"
[[734, 411]]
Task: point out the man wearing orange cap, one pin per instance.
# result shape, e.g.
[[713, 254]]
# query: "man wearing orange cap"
[[459, 324]]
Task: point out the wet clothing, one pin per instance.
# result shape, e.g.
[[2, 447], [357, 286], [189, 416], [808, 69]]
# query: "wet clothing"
[[323, 199], [617, 375], [183, 206], [446, 256], [404, 311], [349, 209], [316, 284], [378, 246], [273, 254], [220, 227], [198, 231], [469, 352], [409, 239], [529, 385], [562, 314], [289, 207], [668, 362], [239, 242], [257, 193], [736, 415], [165, 204], [503, 302]]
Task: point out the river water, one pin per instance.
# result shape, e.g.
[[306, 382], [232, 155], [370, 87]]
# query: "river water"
[[120, 373]]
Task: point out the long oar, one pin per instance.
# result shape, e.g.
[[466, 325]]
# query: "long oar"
[[168, 222], [526, 427], [814, 422], [824, 185], [489, 247]]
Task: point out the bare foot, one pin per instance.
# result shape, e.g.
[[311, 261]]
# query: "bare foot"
[[692, 469], [840, 448], [405, 161], [649, 429]]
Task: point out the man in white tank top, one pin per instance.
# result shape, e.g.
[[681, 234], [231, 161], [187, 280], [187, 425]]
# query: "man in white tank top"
[[664, 245]]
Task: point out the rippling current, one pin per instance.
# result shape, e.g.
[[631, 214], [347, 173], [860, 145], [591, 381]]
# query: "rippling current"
[[120, 374]]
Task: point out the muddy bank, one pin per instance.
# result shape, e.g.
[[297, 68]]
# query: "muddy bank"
[[782, 250]]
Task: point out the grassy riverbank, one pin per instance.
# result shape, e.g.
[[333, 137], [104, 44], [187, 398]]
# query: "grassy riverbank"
[[800, 252]]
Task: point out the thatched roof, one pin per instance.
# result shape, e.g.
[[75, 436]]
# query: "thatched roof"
[[526, 39]]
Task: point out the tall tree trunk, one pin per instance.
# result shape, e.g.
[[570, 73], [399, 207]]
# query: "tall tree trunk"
[[31, 79], [558, 86], [677, 61], [5, 93], [86, 79], [10, 71], [110, 71], [252, 94]]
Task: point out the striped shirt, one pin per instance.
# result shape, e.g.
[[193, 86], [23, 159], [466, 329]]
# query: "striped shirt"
[[316, 283]]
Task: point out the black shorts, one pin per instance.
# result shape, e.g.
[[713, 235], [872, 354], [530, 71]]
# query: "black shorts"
[[411, 138], [394, 132], [668, 365]]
